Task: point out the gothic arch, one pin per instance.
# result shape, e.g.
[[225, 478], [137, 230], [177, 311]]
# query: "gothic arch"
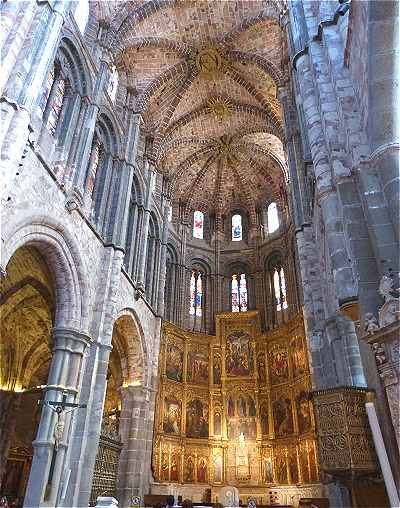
[[62, 255], [129, 342]]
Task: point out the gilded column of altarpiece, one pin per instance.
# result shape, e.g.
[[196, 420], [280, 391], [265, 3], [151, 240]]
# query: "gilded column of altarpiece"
[[234, 408]]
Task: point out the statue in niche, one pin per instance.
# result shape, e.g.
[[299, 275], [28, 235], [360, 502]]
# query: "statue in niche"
[[283, 417]]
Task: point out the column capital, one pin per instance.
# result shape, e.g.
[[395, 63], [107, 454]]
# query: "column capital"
[[70, 339]]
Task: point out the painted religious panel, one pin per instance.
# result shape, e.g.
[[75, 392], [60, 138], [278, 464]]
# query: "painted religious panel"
[[293, 469], [303, 412], [279, 366], [239, 354], [299, 359], [217, 369], [196, 419], [217, 423], [174, 363], [283, 417], [218, 469], [268, 474], [264, 417], [280, 467], [189, 471], [241, 413], [261, 369], [197, 368], [202, 470], [172, 416], [174, 476], [164, 467]]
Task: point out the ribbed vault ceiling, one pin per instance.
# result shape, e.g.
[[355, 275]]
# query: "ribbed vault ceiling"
[[205, 75]]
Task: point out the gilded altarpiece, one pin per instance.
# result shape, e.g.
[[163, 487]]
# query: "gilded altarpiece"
[[234, 408]]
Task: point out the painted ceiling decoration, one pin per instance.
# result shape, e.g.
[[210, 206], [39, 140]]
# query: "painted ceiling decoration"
[[207, 88]]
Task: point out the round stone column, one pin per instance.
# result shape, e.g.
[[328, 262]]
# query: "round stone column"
[[68, 346]]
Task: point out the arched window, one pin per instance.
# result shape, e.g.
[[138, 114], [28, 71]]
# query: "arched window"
[[113, 83], [237, 228], [170, 214], [81, 14], [198, 224], [279, 288], [196, 293], [133, 231], [96, 155], [152, 261], [273, 219], [52, 98], [239, 297]]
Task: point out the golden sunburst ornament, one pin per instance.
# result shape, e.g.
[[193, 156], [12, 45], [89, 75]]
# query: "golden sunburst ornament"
[[219, 108]]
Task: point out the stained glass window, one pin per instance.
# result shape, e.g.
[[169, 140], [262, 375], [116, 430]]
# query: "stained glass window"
[[277, 291], [199, 294], [237, 233], [196, 293], [243, 292], [93, 165], [239, 293], [56, 107], [198, 225], [192, 294], [235, 294], [280, 289], [46, 90], [273, 219], [283, 289], [113, 83]]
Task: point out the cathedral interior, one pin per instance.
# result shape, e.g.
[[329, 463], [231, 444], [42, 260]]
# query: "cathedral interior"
[[200, 292]]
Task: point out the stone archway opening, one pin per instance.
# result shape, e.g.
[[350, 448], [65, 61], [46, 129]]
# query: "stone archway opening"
[[27, 309]]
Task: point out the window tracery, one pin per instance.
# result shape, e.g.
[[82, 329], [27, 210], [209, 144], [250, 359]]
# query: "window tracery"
[[237, 228], [239, 297], [52, 98], [279, 284], [196, 293]]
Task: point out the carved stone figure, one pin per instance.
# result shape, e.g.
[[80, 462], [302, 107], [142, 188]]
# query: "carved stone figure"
[[389, 312], [370, 323]]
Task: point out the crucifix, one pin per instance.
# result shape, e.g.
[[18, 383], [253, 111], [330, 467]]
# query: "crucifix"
[[60, 408]]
